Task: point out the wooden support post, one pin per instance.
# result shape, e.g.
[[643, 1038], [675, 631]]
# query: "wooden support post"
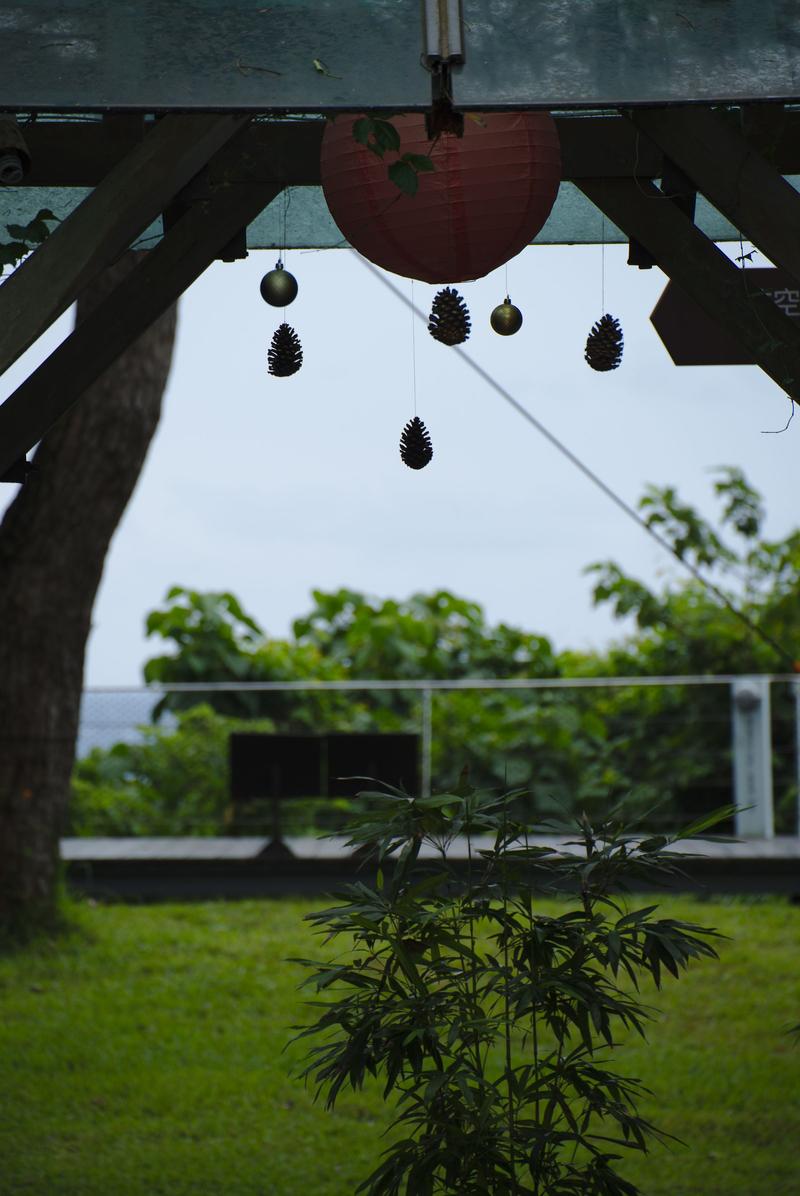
[[738, 181], [695, 263], [161, 277], [102, 227]]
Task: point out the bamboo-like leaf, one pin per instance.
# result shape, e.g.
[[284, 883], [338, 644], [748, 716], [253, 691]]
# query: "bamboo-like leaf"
[[721, 814], [424, 1005]]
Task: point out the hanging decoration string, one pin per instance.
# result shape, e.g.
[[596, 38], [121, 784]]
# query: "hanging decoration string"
[[596, 480], [743, 260], [413, 349], [285, 214], [283, 237], [603, 263]]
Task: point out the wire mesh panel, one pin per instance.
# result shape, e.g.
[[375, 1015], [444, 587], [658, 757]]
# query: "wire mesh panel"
[[157, 762], [114, 716], [785, 707], [663, 752]]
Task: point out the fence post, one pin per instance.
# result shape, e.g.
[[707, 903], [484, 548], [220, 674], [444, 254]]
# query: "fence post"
[[752, 757], [427, 741], [796, 692]]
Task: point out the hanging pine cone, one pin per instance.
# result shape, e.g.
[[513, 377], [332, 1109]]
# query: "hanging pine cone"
[[449, 319], [416, 449], [604, 344], [285, 354]]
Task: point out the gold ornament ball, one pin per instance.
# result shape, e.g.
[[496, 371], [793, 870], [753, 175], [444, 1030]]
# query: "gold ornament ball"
[[506, 319], [278, 287]]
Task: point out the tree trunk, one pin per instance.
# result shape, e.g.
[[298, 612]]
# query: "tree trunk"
[[53, 542]]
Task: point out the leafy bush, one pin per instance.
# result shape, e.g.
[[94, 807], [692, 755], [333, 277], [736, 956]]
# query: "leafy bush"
[[492, 1024], [572, 749], [175, 782]]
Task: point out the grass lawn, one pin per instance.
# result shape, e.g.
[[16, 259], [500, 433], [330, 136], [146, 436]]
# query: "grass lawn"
[[142, 1055]]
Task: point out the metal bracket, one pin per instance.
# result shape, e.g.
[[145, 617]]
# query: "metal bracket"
[[682, 192], [443, 32]]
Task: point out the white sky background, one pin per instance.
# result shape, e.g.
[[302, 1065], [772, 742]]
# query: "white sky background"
[[271, 487]]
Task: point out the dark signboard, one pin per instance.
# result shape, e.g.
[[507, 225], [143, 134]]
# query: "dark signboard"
[[275, 766], [692, 337], [391, 758], [285, 766]]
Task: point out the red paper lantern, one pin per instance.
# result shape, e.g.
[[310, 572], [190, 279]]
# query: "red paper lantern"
[[488, 197]]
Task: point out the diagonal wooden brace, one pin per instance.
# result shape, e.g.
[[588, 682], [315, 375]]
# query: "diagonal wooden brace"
[[160, 278], [695, 263], [732, 174], [103, 226]]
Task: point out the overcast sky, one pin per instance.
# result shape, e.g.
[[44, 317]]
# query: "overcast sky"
[[272, 487]]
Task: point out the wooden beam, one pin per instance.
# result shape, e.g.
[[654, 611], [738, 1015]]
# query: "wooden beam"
[[18, 472], [127, 200], [738, 181], [160, 278], [80, 154], [71, 154], [694, 262]]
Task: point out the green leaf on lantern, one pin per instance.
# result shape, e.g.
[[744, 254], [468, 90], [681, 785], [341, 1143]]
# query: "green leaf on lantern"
[[386, 135], [405, 177], [376, 135], [419, 162], [362, 129]]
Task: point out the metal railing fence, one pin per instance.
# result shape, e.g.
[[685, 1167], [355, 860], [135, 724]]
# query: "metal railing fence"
[[678, 745]]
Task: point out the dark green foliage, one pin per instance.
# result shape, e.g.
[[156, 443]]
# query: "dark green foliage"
[[491, 1021], [569, 748], [215, 640], [381, 136], [174, 782], [686, 629]]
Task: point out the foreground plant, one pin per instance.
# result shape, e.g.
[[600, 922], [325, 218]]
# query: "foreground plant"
[[488, 1019]]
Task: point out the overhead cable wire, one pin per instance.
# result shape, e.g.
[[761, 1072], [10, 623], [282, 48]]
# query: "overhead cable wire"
[[596, 480]]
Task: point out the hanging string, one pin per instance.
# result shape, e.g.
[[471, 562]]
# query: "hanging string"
[[413, 348], [506, 279], [782, 653], [603, 263], [743, 259], [285, 213], [286, 202]]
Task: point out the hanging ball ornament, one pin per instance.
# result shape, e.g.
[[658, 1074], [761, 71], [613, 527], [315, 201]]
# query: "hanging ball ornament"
[[506, 319], [279, 287]]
